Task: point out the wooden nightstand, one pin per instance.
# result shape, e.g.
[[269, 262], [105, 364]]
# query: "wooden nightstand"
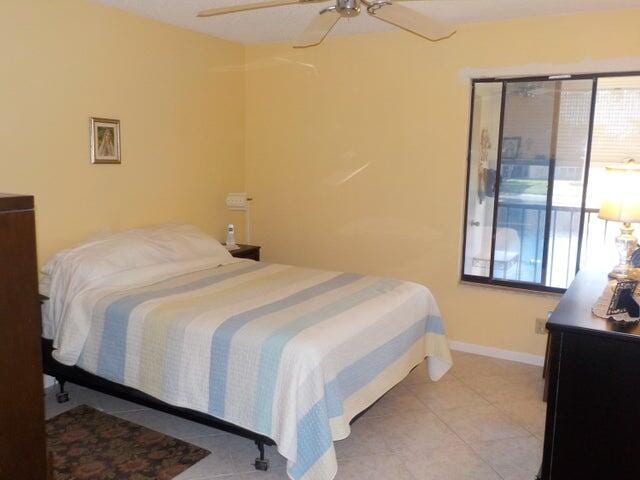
[[247, 251]]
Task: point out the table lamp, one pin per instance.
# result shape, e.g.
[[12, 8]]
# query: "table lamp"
[[622, 204]]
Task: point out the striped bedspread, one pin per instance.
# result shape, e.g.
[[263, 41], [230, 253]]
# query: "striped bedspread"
[[290, 353]]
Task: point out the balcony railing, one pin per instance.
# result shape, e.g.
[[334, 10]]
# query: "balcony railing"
[[528, 220]]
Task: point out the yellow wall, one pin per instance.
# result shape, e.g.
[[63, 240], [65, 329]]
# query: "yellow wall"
[[356, 154], [181, 112], [355, 151]]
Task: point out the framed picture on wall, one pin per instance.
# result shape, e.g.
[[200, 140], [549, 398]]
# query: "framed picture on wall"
[[105, 140], [511, 147]]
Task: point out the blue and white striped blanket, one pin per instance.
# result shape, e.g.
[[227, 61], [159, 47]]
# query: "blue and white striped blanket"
[[290, 353]]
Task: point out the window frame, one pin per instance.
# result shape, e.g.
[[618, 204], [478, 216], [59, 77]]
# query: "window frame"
[[516, 284]]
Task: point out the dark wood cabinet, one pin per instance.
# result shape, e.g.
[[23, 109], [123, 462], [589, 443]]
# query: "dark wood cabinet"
[[22, 433], [593, 408]]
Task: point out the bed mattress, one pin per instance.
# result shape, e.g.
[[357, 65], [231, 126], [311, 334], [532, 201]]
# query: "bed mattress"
[[290, 353]]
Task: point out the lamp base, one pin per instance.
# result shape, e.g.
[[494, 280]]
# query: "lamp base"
[[626, 243]]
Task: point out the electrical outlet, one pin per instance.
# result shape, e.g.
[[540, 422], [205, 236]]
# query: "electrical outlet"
[[541, 326]]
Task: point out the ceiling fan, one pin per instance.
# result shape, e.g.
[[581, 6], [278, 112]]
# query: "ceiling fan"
[[385, 10]]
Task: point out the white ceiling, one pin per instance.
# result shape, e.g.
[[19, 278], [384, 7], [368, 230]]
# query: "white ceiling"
[[283, 24]]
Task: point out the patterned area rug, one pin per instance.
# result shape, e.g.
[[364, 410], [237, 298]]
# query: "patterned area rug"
[[89, 444]]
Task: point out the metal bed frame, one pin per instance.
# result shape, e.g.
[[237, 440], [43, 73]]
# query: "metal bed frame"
[[64, 373]]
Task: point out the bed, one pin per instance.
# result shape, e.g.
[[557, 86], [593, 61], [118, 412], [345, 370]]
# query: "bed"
[[165, 316]]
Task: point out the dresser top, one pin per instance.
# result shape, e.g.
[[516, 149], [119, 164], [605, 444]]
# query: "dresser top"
[[10, 202], [573, 313]]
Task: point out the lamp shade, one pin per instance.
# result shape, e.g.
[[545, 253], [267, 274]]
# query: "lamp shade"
[[622, 199]]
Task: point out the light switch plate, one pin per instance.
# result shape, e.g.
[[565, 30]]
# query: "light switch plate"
[[237, 201]]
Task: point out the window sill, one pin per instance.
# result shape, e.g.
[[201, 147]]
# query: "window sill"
[[512, 286]]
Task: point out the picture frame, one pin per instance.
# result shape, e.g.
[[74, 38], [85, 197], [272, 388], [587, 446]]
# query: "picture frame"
[[105, 141], [622, 301], [511, 147]]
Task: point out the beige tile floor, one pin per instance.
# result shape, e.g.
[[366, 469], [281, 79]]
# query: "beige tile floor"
[[483, 421]]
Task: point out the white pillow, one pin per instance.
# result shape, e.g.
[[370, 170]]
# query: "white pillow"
[[180, 242], [53, 262], [121, 260], [106, 254]]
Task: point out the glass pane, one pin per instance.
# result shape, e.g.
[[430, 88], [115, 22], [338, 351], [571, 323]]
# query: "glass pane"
[[568, 186], [485, 130], [543, 121], [616, 137]]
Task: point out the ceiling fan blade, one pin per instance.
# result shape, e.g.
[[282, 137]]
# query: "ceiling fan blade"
[[318, 28], [247, 6], [411, 20]]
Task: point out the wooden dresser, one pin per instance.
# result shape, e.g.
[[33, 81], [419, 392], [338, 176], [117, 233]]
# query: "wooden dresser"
[[22, 436], [593, 409]]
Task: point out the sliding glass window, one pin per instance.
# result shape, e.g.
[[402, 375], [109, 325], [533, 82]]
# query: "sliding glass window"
[[531, 195]]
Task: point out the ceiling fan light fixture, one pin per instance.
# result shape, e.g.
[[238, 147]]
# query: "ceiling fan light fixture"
[[377, 5], [348, 8]]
